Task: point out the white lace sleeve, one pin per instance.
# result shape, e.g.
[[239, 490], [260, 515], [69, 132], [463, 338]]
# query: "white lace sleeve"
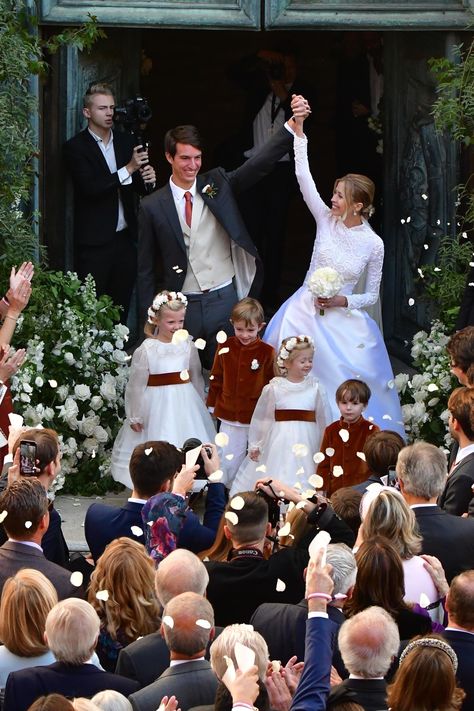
[[372, 282], [263, 417], [307, 185], [195, 371], [136, 385]]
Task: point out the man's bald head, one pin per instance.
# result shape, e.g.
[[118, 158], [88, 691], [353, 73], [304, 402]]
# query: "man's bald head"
[[188, 624], [181, 571], [460, 601], [368, 642]]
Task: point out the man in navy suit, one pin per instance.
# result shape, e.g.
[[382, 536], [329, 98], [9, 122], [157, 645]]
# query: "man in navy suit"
[[152, 472], [107, 171], [192, 237], [457, 492], [460, 631], [72, 629]]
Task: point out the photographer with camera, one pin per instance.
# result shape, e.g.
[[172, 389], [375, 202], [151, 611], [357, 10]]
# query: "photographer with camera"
[[107, 170], [248, 578]]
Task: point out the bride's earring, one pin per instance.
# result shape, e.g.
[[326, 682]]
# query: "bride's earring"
[[355, 213]]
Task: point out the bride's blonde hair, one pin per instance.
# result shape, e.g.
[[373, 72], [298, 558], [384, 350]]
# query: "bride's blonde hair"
[[358, 188]]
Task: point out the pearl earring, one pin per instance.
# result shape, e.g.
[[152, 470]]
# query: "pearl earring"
[[355, 213]]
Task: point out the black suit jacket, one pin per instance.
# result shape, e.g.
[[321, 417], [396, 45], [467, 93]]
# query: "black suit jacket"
[[161, 245], [450, 538], [25, 686], [104, 524], [96, 189], [457, 492], [371, 694], [463, 645], [15, 556], [193, 684]]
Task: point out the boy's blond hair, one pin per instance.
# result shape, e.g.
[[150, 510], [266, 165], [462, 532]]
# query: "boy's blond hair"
[[248, 310]]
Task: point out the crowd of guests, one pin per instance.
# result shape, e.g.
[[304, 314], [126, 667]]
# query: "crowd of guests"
[[241, 604]]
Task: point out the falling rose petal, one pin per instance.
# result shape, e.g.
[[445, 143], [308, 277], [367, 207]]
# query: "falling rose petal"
[[211, 377], [424, 600], [168, 621], [408, 219], [237, 503], [319, 457], [53, 383], [316, 481], [330, 451], [76, 578], [232, 517], [221, 337], [28, 524], [180, 336], [361, 455], [438, 222], [93, 454], [136, 530], [391, 384], [3, 516], [281, 494], [300, 505], [205, 624], [432, 387], [299, 450], [205, 559], [297, 485], [424, 196], [337, 471], [291, 506], [176, 266], [102, 595], [426, 246], [308, 494], [261, 468], [200, 344], [216, 476], [184, 375], [411, 302], [276, 665], [344, 435], [285, 530], [464, 235], [221, 439], [280, 586], [437, 269], [371, 427], [179, 271], [402, 221], [229, 457], [148, 451], [386, 417], [150, 523], [223, 351], [370, 417], [300, 471]]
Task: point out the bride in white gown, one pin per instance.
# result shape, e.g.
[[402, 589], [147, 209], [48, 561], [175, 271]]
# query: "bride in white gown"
[[348, 343]]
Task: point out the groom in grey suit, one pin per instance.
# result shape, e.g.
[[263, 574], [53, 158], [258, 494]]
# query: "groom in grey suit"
[[192, 237]]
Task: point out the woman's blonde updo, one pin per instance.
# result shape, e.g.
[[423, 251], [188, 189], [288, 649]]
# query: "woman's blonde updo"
[[358, 188]]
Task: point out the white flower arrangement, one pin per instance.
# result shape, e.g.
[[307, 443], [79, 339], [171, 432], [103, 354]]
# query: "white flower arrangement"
[[424, 396], [325, 283], [254, 365], [74, 376], [210, 190]]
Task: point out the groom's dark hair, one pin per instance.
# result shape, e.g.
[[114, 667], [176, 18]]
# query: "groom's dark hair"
[[189, 135]]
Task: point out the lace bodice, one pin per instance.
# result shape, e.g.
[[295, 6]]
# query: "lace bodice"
[[348, 250]]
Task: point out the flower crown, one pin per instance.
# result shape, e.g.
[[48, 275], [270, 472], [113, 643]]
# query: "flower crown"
[[432, 642], [286, 348], [163, 300]]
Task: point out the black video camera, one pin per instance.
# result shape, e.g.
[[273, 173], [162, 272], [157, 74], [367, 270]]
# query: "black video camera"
[[134, 113], [192, 443]]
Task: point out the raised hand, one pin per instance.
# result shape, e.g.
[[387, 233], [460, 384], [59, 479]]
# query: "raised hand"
[[183, 481], [10, 362]]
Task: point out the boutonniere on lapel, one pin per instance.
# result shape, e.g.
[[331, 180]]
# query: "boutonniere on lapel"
[[254, 365], [210, 190]]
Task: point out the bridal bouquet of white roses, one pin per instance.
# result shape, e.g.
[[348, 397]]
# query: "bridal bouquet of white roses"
[[325, 283]]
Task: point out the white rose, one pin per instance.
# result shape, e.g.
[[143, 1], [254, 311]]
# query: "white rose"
[[27, 389], [119, 356], [96, 402], [420, 396], [90, 445], [24, 397], [62, 392], [419, 412], [82, 392], [69, 358], [49, 413], [71, 445], [87, 424], [401, 382], [121, 331], [39, 381], [69, 410], [444, 417], [417, 381], [100, 434], [107, 388], [107, 347]]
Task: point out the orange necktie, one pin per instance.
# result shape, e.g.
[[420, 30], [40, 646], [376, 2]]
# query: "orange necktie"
[[188, 208]]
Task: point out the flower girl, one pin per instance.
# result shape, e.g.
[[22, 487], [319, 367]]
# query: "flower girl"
[[164, 398], [288, 422]]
